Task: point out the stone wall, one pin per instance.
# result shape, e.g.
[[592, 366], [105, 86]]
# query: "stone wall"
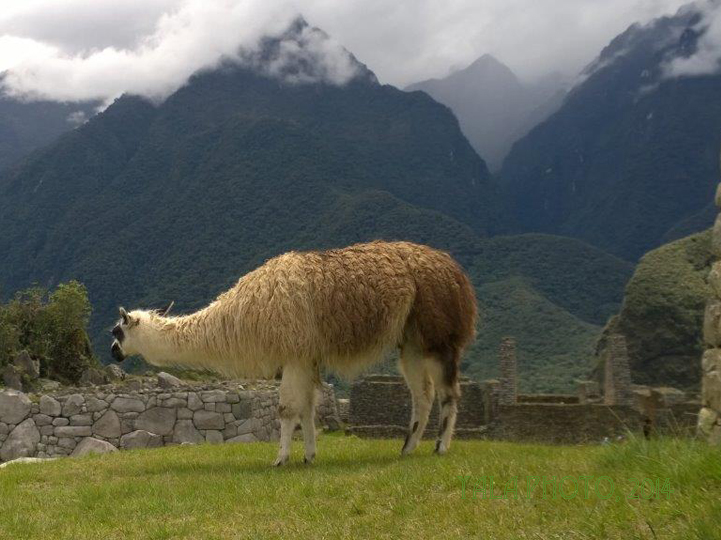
[[617, 373], [142, 414], [563, 423], [380, 405], [509, 372], [709, 417]]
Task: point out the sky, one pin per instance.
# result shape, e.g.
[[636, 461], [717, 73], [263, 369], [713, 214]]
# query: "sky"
[[98, 49]]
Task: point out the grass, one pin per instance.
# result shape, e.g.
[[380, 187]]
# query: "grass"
[[360, 489]]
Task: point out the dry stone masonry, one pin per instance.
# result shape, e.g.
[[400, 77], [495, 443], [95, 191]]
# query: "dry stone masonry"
[[142, 414], [709, 418], [617, 373], [509, 372]]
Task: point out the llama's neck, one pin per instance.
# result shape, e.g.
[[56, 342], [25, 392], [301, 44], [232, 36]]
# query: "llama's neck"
[[167, 341]]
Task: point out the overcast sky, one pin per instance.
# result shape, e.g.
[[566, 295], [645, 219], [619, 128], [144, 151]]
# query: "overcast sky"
[[92, 48]]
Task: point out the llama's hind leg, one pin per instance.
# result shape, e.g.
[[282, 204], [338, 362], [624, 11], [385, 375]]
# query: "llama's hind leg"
[[444, 371], [420, 384], [297, 392]]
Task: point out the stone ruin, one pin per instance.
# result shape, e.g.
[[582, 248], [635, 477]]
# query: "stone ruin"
[[617, 373], [141, 413], [380, 406], [709, 418], [508, 391]]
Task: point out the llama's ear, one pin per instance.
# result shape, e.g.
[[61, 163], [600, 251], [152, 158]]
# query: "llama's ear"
[[164, 312], [124, 315]]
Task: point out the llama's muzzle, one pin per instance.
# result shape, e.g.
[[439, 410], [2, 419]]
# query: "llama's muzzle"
[[117, 351]]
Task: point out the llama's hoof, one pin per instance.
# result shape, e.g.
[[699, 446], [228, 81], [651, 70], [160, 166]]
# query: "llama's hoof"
[[281, 460], [308, 460], [440, 449]]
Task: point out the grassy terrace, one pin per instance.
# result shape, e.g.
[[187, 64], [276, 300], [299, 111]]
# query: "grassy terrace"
[[363, 489]]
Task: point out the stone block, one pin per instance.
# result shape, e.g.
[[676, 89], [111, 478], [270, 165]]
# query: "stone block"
[[247, 438], [711, 323], [127, 404], [157, 420], [140, 439], [50, 406], [185, 414], [222, 407], [81, 419], [246, 426], [166, 380], [108, 425], [60, 421], [42, 420], [194, 402], [242, 410], [21, 441], [94, 404], [706, 420], [67, 442], [213, 396], [213, 436], [14, 406], [208, 420], [174, 403], [73, 405], [90, 445], [73, 431], [185, 432]]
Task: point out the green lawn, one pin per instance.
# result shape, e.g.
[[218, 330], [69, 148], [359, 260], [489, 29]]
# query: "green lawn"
[[363, 489]]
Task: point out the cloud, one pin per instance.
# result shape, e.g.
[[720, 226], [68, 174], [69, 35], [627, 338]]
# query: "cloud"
[[99, 49], [706, 60], [196, 34]]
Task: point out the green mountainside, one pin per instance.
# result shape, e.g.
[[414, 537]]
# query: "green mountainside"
[[148, 203], [28, 125], [631, 158], [662, 313]]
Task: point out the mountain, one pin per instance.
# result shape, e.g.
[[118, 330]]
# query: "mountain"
[[631, 157], [552, 294], [28, 125], [662, 313], [493, 107], [147, 203]]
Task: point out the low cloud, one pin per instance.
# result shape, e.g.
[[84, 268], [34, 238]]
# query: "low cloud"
[[98, 49], [706, 60], [197, 34]]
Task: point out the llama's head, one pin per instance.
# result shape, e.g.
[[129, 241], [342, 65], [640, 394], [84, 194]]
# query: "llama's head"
[[132, 330]]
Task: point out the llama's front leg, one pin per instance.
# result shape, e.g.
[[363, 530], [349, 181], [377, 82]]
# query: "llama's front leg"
[[297, 391], [288, 421]]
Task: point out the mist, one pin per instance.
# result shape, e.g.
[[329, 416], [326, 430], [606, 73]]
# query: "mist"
[[98, 49]]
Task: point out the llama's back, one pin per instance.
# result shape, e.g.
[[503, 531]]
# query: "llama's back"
[[368, 297], [346, 307]]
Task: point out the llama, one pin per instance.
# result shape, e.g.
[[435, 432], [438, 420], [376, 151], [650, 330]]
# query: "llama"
[[341, 310]]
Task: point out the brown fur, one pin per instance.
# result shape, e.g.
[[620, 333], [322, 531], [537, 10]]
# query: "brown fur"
[[341, 309]]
